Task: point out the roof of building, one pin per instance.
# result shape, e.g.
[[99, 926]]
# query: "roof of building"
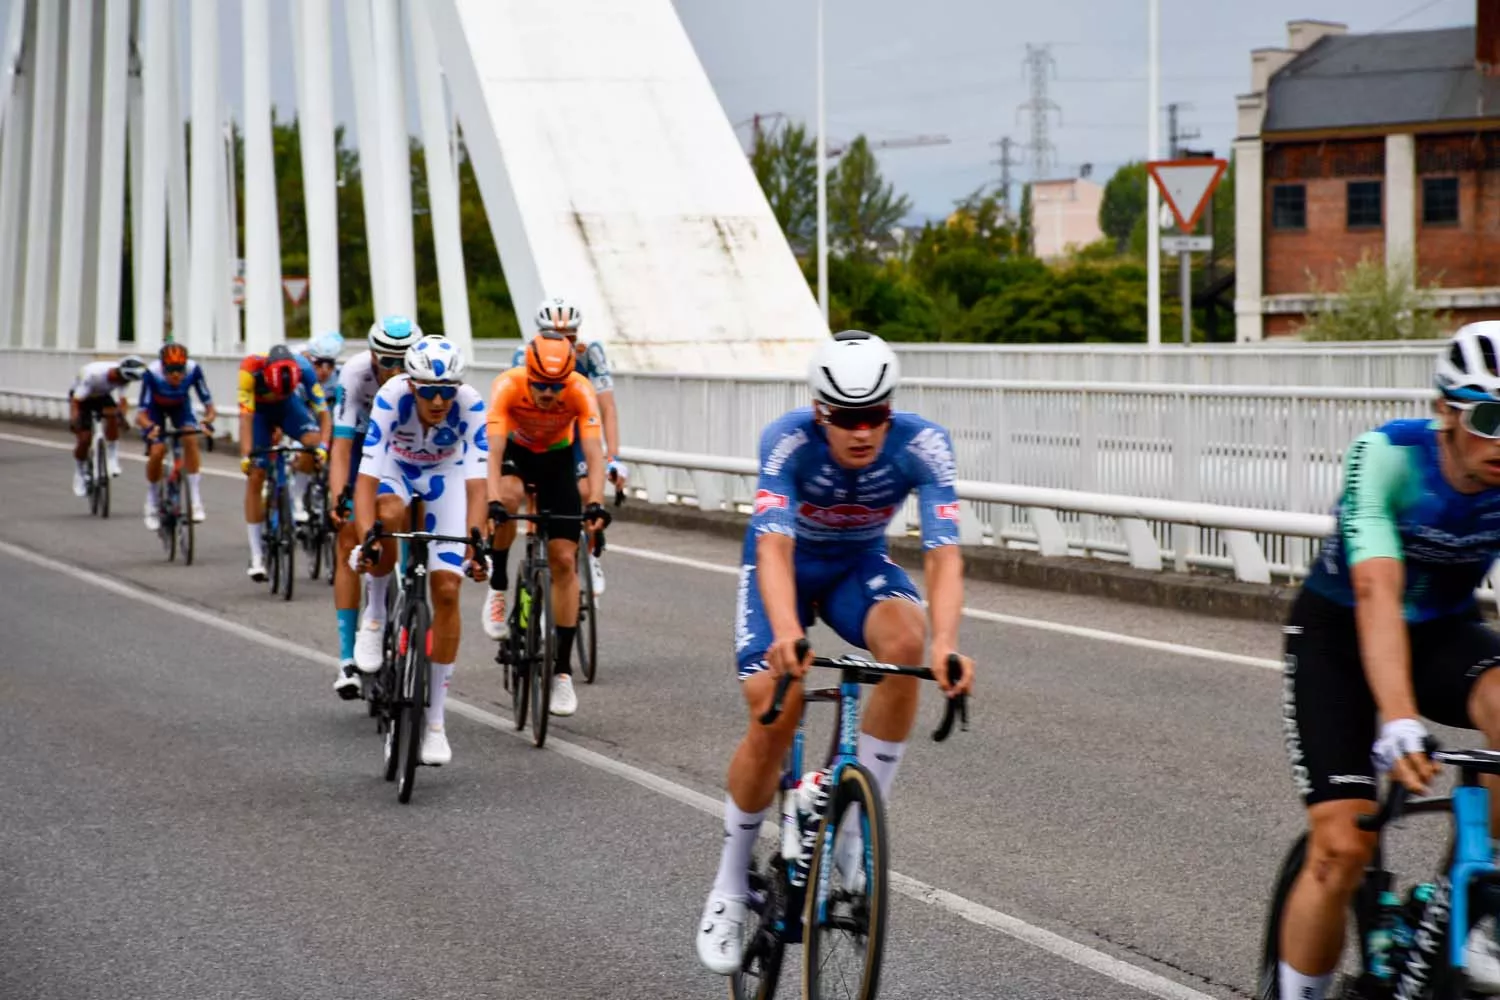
[[1392, 78]]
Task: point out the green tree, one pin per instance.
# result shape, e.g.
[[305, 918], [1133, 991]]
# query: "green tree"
[[1123, 208], [863, 206], [785, 162], [1375, 303], [1025, 227]]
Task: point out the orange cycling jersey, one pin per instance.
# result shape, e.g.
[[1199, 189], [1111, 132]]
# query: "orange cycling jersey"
[[253, 390], [514, 416]]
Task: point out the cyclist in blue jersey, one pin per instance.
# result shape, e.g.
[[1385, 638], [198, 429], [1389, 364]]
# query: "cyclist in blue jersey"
[[832, 476], [359, 381], [164, 400], [1385, 631], [322, 357]]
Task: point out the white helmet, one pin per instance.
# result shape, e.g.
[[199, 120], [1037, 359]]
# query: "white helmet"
[[853, 368], [559, 315], [435, 359], [1469, 367], [325, 346], [393, 335]]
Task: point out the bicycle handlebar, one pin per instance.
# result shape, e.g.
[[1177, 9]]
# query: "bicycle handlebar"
[[872, 672], [1395, 800], [377, 532], [284, 449]]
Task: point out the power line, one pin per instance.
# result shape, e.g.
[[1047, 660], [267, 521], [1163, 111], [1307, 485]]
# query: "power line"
[[1006, 144]]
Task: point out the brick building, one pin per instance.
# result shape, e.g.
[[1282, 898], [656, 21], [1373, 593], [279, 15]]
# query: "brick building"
[[1384, 144]]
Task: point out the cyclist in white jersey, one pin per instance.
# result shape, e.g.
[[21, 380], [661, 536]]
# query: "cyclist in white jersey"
[[426, 441], [93, 391], [358, 382]]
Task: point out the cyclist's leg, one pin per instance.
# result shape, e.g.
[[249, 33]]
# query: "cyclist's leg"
[[557, 493], [255, 480], [347, 584], [1456, 684], [515, 466], [447, 513], [1328, 719], [581, 474], [156, 452], [298, 424], [83, 430], [392, 498], [183, 418], [112, 422]]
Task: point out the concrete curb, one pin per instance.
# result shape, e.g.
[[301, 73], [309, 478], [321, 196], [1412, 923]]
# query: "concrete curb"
[[1203, 593]]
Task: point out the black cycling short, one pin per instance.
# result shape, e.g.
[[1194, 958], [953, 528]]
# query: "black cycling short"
[[90, 405], [550, 475], [1328, 713]]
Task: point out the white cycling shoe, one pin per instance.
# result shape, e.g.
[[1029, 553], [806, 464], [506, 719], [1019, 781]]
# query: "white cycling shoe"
[[494, 614], [152, 519], [564, 698], [720, 947], [199, 514], [369, 646], [435, 749], [257, 569], [346, 684], [80, 484], [597, 571], [1482, 957]]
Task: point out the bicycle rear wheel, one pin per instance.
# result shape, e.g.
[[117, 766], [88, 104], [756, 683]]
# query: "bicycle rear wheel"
[[586, 642], [760, 970], [415, 673], [317, 523], [844, 922], [541, 643], [185, 536], [167, 519], [287, 543], [384, 704], [520, 653]]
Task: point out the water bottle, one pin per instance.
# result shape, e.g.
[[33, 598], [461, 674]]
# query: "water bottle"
[[791, 832], [1381, 940]]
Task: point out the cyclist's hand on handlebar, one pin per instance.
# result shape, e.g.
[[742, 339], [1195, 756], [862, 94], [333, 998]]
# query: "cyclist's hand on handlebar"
[[782, 657], [951, 686], [1402, 750], [497, 513], [321, 453], [245, 463], [596, 516]]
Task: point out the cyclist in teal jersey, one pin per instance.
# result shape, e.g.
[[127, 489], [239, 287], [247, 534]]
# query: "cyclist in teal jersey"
[[1386, 631]]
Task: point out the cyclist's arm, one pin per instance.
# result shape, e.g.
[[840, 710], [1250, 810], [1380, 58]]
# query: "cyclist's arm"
[[1374, 471], [141, 419], [610, 418], [497, 429], [590, 437], [372, 463], [775, 527], [200, 386], [935, 471], [247, 409]]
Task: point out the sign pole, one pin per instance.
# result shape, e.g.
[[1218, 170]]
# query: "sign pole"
[[1185, 271], [1153, 230]]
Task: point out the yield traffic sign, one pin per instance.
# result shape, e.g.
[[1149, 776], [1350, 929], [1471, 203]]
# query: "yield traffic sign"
[[1186, 185]]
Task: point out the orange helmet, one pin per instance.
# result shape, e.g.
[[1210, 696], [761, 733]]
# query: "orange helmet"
[[173, 354], [549, 358]]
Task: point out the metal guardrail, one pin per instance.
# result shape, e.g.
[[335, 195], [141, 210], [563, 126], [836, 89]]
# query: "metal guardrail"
[[718, 482]]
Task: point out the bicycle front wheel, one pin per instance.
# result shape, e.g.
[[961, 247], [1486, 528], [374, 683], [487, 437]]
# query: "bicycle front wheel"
[[844, 917], [520, 654], [101, 474], [185, 538], [414, 680], [541, 642], [287, 542]]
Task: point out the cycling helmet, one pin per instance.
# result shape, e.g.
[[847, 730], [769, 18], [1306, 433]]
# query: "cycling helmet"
[[173, 354], [549, 358], [393, 335], [559, 316], [435, 359], [281, 373], [853, 368], [131, 368], [325, 346], [1469, 367]]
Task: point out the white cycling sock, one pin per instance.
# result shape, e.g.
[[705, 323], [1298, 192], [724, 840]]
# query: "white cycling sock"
[[153, 493], [299, 485], [881, 758], [195, 487], [740, 830], [112, 449], [375, 597], [441, 672], [257, 544], [83, 465], [1296, 986]]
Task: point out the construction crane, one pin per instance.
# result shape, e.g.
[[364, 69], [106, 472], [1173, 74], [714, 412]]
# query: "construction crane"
[[769, 121]]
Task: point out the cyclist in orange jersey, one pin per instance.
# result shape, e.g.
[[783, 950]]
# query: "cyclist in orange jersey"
[[531, 418]]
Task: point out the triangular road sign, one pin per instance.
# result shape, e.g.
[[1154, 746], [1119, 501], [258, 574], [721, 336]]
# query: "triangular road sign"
[[295, 289], [1187, 185]]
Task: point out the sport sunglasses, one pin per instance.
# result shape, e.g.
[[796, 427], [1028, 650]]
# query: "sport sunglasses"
[[549, 386], [432, 392], [389, 361], [857, 418], [1479, 419]]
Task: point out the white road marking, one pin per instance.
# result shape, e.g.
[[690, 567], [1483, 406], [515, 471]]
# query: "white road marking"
[[1065, 948]]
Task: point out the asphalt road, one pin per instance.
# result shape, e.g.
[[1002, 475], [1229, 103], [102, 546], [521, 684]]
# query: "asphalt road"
[[189, 811]]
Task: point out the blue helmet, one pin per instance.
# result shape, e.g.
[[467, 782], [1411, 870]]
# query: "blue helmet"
[[393, 335], [325, 346]]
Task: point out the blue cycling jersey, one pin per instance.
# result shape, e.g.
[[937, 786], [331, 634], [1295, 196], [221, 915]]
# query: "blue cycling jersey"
[[831, 510], [157, 391], [1396, 504]]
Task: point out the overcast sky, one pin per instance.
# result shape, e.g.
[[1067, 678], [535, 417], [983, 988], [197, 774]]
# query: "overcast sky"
[[901, 68]]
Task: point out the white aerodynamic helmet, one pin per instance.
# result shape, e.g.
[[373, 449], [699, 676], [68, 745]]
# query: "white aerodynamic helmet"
[[559, 315], [435, 359], [393, 335], [853, 368], [1469, 367]]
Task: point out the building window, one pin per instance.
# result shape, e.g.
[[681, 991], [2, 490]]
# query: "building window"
[[1439, 200], [1289, 206], [1364, 204]]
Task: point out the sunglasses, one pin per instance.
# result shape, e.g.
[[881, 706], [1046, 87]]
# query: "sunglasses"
[[433, 392], [857, 418], [323, 362], [549, 386], [1479, 419], [174, 369], [389, 361]]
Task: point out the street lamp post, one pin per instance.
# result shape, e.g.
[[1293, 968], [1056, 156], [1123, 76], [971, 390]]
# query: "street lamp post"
[[822, 179]]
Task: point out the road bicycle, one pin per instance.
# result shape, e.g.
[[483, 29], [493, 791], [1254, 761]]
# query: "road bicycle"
[[174, 520], [96, 469], [279, 529]]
